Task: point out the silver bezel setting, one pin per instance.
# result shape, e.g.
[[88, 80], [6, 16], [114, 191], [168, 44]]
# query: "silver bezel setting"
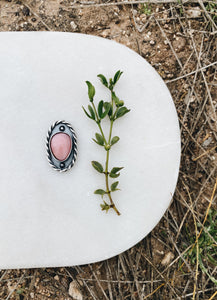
[[70, 160]]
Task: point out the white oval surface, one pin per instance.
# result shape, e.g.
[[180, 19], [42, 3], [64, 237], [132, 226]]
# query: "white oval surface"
[[53, 219]]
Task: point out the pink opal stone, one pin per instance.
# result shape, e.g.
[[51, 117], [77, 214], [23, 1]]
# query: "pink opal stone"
[[61, 145]]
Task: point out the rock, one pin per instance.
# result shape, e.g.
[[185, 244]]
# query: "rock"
[[26, 11], [179, 44], [105, 33], [61, 145], [207, 141], [167, 258], [74, 25], [170, 75], [189, 99], [143, 18], [147, 37], [134, 12], [194, 12], [74, 291]]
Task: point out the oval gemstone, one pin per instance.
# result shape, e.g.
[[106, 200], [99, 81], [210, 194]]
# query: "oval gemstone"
[[61, 145]]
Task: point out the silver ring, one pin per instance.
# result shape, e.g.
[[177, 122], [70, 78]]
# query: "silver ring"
[[61, 156]]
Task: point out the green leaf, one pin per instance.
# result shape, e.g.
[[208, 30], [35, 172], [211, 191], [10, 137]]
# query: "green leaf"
[[114, 185], [121, 112], [211, 259], [99, 139], [97, 142], [103, 80], [114, 140], [114, 172], [91, 90], [116, 169], [108, 106], [100, 107], [112, 175], [97, 166], [204, 270], [115, 98], [105, 206], [89, 116], [92, 113], [117, 76], [100, 192]]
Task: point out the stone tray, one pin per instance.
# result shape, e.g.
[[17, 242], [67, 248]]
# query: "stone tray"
[[51, 219]]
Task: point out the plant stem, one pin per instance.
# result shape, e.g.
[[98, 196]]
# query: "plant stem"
[[113, 109], [112, 205]]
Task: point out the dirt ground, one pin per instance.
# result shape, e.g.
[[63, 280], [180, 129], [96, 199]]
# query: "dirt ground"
[[178, 259]]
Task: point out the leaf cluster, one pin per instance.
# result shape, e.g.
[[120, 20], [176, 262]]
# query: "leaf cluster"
[[105, 206], [105, 108], [112, 81], [114, 173], [146, 9]]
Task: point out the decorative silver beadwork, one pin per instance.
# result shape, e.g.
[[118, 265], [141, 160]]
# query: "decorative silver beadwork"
[[61, 166]]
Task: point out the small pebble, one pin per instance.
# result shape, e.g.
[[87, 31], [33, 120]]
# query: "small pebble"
[[194, 12], [143, 18], [134, 12], [80, 13], [26, 11], [170, 75], [167, 258], [74, 25], [179, 44], [56, 277], [74, 291], [207, 141]]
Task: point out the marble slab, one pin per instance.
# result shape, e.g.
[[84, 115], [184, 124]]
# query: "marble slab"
[[51, 219]]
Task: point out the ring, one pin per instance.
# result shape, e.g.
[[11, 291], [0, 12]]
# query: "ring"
[[61, 146]]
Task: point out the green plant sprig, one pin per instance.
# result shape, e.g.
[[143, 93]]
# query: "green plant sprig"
[[206, 246], [112, 110]]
